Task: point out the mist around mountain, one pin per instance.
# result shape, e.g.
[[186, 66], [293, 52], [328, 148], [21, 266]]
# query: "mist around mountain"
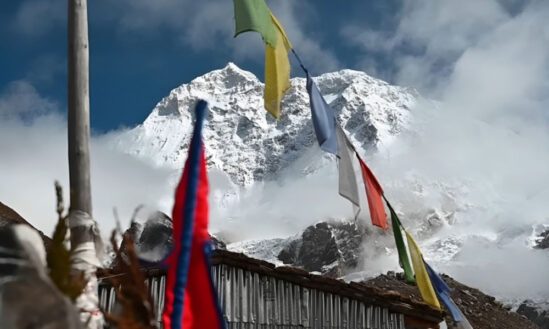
[[270, 182], [469, 185]]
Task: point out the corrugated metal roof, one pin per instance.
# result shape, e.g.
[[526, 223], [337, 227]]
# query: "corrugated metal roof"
[[252, 300], [256, 294]]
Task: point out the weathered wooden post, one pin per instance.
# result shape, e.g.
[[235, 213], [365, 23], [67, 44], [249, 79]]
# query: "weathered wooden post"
[[79, 107], [85, 239]]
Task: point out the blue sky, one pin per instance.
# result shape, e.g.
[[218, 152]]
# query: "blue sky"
[[140, 50]]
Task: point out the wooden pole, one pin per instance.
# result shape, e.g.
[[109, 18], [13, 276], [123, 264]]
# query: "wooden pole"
[[84, 233], [79, 107]]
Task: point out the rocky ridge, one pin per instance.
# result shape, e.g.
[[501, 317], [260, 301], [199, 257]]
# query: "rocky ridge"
[[326, 247], [537, 312]]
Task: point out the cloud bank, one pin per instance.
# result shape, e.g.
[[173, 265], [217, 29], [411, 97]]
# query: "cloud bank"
[[33, 149], [211, 26], [484, 142]]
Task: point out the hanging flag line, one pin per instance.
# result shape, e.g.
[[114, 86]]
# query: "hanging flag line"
[[255, 15], [431, 286], [300, 62], [417, 271], [333, 139], [430, 283]]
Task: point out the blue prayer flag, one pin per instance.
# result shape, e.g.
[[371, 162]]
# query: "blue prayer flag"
[[323, 119], [443, 293]]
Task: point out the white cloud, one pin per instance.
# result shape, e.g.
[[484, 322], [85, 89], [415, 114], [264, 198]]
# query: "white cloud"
[[21, 99], [484, 144], [197, 24], [316, 56], [142, 15], [429, 37], [34, 155], [211, 21], [37, 17], [206, 25], [46, 69], [269, 210]]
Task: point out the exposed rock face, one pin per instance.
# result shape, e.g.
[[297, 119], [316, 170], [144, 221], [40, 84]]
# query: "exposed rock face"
[[325, 247], [153, 238], [543, 240], [535, 312], [218, 244], [316, 248]]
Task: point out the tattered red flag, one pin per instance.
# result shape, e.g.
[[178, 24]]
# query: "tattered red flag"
[[374, 193]]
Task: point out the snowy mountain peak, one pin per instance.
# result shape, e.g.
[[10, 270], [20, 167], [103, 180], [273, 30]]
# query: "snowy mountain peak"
[[231, 77], [245, 142]]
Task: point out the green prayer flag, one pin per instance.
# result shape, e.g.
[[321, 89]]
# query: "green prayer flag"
[[254, 15], [401, 247]]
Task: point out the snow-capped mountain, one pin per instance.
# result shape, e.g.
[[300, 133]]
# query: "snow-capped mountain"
[[249, 145], [459, 221]]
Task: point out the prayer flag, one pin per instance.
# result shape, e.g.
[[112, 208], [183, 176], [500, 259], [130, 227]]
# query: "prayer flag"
[[374, 193], [191, 301], [277, 70], [347, 179], [324, 120], [443, 293], [254, 15], [422, 278], [404, 260]]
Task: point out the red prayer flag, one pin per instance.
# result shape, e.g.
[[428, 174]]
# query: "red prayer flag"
[[374, 193], [191, 300]]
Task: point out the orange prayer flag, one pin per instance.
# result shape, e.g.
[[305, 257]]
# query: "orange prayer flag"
[[374, 193]]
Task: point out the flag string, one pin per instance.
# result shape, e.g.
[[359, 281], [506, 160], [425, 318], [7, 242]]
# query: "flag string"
[[300, 62], [324, 121]]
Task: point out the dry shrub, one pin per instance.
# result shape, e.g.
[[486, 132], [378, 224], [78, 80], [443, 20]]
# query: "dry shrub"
[[71, 284], [135, 303]]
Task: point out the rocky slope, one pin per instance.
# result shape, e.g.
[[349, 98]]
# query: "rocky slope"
[[9, 216], [331, 248], [537, 312], [482, 311], [322, 248], [542, 241], [328, 248]]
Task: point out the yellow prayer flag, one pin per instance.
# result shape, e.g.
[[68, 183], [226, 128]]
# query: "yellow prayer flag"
[[422, 278], [277, 70]]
